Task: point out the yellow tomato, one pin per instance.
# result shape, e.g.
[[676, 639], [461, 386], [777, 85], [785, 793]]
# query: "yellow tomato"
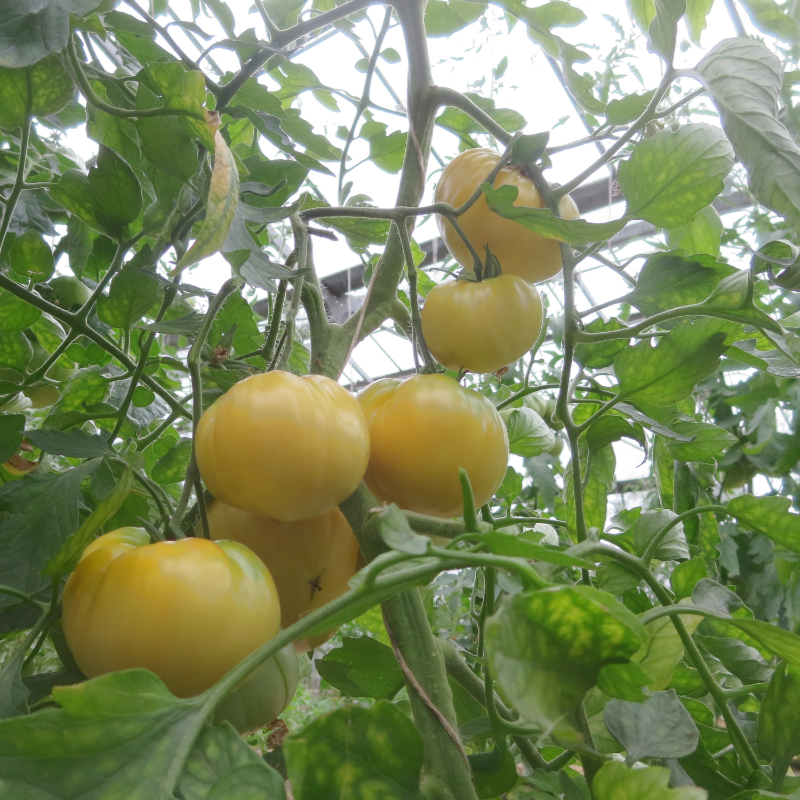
[[481, 327], [422, 430], [283, 447], [519, 251], [15, 468], [263, 695], [311, 560], [188, 610]]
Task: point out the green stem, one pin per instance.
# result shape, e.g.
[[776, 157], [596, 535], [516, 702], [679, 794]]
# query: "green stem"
[[10, 590], [525, 392], [19, 180], [268, 351]]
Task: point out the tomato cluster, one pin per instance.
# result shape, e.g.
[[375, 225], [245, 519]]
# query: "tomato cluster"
[[482, 326], [280, 453]]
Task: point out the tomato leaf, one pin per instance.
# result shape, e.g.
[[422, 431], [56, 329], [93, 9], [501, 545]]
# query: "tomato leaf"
[[44, 511], [223, 197], [546, 649], [506, 544], [131, 294], [362, 667], [702, 235], [615, 781], [600, 354], [76, 443], [11, 427], [671, 176], [355, 750], [708, 440], [654, 377], [778, 723], [770, 516], [612, 428], [171, 467], [528, 434], [122, 734], [545, 223], [744, 78], [16, 314]]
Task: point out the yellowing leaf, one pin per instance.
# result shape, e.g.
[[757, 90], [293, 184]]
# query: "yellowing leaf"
[[223, 197]]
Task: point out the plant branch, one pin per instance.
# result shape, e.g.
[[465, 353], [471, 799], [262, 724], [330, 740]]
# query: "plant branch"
[[19, 179]]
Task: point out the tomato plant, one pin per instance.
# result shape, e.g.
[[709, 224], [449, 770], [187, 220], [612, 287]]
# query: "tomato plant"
[[529, 492]]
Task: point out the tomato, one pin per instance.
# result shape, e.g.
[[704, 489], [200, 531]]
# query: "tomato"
[[557, 447], [69, 292], [481, 327], [188, 610], [15, 468], [283, 447], [422, 430], [311, 560], [519, 251], [263, 695]]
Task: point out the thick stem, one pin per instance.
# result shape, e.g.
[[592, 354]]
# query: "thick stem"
[[446, 774], [268, 351], [19, 180]]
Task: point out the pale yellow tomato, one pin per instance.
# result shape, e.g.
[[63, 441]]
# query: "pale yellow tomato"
[[481, 327], [422, 431], [311, 560], [519, 251], [188, 610], [283, 447]]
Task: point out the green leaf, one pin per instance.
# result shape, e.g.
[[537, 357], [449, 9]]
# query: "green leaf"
[[11, 427], [600, 354], [444, 18], [51, 90], [528, 433], [546, 649], [32, 29], [685, 577], [237, 311], [628, 109], [663, 652], [615, 781], [664, 27], [115, 192], [660, 727], [669, 280], [673, 546], [362, 667], [186, 90], [84, 388], [44, 511], [73, 193], [611, 428], [223, 197], [65, 561], [642, 12], [397, 534], [462, 125], [732, 295], [15, 351], [131, 294], [702, 235], [164, 142], [75, 443], [528, 148], [672, 175], [708, 441], [387, 152], [122, 735], [769, 18], [696, 13], [356, 752], [511, 486], [32, 257], [741, 660], [16, 314], [545, 223], [744, 80], [598, 486], [778, 722], [171, 467], [506, 544], [14, 695], [770, 516], [623, 681], [654, 377]]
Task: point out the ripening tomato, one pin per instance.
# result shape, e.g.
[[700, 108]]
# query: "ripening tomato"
[[283, 447], [481, 327], [263, 695], [311, 560], [422, 430], [188, 610], [519, 251]]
